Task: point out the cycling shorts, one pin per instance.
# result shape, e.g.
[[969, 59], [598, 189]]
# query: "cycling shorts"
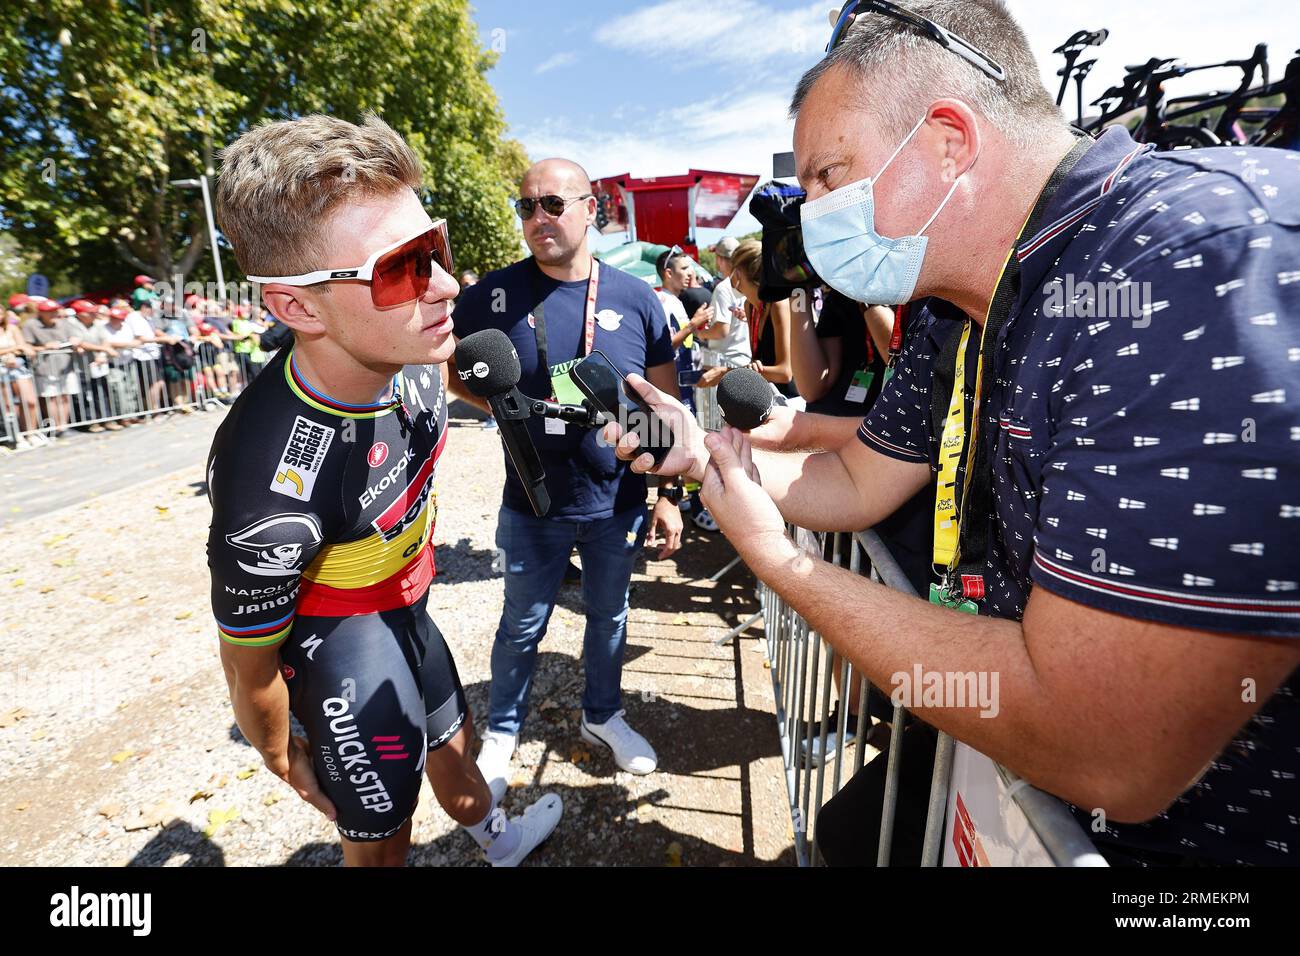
[[374, 693]]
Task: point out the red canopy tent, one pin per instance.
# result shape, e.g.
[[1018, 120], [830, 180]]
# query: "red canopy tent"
[[666, 209]]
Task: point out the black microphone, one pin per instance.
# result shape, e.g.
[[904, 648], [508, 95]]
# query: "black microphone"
[[489, 366], [747, 399]]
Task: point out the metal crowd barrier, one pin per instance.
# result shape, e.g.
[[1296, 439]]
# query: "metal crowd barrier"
[[803, 667], [96, 389]]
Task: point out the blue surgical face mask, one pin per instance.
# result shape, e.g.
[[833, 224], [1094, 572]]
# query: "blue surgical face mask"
[[841, 242]]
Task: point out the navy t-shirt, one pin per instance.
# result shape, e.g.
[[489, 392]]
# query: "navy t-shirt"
[[1144, 436], [585, 480]]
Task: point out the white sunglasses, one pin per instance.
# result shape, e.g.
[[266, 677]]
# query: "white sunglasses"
[[397, 273]]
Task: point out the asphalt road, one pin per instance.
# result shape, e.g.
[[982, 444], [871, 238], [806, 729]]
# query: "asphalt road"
[[80, 466]]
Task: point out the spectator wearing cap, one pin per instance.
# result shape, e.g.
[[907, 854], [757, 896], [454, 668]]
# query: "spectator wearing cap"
[[123, 382], [247, 329], [144, 292], [726, 338], [51, 335], [146, 357], [175, 335], [17, 391], [220, 374], [94, 345]]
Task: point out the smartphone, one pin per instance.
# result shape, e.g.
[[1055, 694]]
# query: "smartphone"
[[604, 385]]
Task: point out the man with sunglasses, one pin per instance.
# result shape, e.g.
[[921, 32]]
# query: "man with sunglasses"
[[323, 506], [557, 306], [1120, 552]]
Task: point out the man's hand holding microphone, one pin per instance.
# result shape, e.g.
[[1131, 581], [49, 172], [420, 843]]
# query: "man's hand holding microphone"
[[723, 462]]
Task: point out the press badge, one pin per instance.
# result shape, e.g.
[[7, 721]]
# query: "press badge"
[[858, 388]]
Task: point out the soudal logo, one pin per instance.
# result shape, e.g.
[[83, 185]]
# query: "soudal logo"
[[410, 504], [378, 454]]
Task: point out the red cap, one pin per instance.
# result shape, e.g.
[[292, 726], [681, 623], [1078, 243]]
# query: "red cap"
[[82, 305], [49, 305], [141, 280], [18, 299], [119, 313]]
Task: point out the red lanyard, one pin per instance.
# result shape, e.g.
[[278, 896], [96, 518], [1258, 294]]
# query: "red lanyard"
[[593, 283], [589, 333]]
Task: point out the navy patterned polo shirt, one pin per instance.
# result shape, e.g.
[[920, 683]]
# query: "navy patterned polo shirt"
[[1144, 435]]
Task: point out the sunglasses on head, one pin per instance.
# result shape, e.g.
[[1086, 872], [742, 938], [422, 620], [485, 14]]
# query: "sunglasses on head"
[[397, 274], [850, 12], [551, 205]]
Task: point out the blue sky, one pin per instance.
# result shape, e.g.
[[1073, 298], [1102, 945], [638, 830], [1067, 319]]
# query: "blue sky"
[[655, 88]]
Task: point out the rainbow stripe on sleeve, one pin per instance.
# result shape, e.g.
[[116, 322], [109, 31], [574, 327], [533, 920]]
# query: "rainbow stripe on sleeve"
[[261, 635]]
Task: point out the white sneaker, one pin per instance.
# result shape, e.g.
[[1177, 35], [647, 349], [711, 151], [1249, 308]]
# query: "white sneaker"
[[535, 825], [632, 752], [494, 761]]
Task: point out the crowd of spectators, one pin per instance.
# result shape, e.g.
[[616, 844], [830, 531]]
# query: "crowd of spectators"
[[100, 364]]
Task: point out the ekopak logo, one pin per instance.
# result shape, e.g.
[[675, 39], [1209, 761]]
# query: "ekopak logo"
[[378, 454]]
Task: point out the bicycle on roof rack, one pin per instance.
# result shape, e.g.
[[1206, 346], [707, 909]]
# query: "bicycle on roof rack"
[[1242, 115], [1123, 103], [1072, 49], [1160, 122], [1280, 125]]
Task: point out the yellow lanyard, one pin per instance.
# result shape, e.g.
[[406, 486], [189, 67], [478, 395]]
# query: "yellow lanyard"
[[947, 525], [947, 521]]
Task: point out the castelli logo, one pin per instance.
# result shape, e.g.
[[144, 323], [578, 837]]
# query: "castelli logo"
[[288, 672], [378, 454]]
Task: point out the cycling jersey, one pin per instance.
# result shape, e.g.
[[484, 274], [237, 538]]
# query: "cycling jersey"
[[321, 507], [322, 518]]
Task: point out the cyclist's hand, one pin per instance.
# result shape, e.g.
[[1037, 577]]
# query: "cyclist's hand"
[[302, 777]]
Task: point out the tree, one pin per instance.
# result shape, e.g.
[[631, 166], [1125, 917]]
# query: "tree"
[[103, 104]]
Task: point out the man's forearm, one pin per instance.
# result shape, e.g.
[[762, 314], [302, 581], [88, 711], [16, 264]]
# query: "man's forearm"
[[814, 490], [262, 714]]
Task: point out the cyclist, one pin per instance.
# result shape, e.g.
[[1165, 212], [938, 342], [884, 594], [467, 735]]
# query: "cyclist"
[[321, 483]]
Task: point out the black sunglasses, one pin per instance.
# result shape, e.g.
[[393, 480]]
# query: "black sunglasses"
[[976, 57], [551, 205]]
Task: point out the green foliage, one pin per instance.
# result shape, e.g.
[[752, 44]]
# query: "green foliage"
[[102, 103], [709, 260]]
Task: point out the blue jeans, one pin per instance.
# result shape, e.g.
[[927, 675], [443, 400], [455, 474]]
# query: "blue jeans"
[[536, 556]]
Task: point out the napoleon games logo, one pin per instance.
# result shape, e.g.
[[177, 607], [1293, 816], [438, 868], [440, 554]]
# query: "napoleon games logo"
[[378, 454], [277, 543]]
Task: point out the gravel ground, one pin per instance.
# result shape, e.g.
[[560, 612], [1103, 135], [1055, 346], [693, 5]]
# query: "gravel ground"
[[118, 741]]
